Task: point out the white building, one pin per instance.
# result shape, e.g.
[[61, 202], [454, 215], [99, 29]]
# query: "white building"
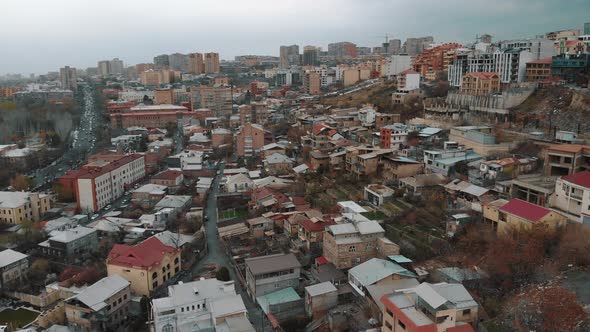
[[104, 182], [572, 195], [398, 63], [135, 95], [540, 48], [204, 305], [366, 116], [13, 267], [239, 183], [510, 64]]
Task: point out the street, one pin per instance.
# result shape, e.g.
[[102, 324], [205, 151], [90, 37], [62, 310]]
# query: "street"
[[82, 142]]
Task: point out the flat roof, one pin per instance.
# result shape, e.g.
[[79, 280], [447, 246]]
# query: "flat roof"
[[272, 263]]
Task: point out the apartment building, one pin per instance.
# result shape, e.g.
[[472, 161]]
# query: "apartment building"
[[538, 70], [510, 64], [151, 118], [196, 65], [393, 136], [218, 99], [572, 195], [103, 306], [507, 217], [267, 274], [211, 63], [202, 305], [161, 97], [312, 83], [435, 59], [146, 265], [289, 56], [439, 307], [16, 207], [443, 161], [249, 140], [566, 159], [342, 50], [169, 178], [99, 183], [14, 267], [480, 83], [349, 244], [68, 78]]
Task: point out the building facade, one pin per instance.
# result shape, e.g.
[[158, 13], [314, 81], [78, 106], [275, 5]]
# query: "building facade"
[[16, 207]]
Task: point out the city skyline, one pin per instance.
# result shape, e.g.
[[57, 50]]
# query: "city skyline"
[[79, 37]]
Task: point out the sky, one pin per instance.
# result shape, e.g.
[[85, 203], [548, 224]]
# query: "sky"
[[40, 35]]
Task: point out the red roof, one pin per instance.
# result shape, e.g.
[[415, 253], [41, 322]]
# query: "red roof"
[[311, 226], [581, 179], [167, 175], [145, 254], [484, 75], [543, 61], [318, 127], [524, 209], [321, 260]]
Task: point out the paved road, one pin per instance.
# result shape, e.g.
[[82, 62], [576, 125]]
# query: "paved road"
[[82, 140], [216, 255]]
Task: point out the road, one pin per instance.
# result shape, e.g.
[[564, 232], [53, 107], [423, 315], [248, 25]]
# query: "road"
[[217, 255], [82, 142]]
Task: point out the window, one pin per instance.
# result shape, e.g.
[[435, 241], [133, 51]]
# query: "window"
[[389, 312], [176, 260], [388, 326], [352, 249], [402, 325], [155, 275], [466, 312]]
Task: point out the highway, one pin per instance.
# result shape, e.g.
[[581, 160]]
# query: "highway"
[[82, 142]]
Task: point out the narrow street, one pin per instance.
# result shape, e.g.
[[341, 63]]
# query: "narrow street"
[[216, 255]]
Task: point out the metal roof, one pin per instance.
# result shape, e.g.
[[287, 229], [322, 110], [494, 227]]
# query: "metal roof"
[[321, 288], [272, 263], [377, 269]]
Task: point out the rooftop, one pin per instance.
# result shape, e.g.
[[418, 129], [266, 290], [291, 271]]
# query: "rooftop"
[[145, 254], [281, 296], [377, 269], [14, 199], [321, 288], [581, 179], [96, 295], [10, 256], [525, 210], [143, 108], [71, 234], [272, 263]]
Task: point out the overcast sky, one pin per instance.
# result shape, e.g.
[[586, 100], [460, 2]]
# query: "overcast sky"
[[43, 35]]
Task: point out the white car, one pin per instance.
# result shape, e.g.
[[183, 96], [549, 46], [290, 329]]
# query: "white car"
[[94, 216]]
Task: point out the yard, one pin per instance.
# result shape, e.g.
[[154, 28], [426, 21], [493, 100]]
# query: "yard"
[[231, 214], [17, 318]]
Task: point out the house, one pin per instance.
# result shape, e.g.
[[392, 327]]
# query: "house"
[[311, 233], [566, 159], [14, 267], [430, 307], [463, 194], [507, 217], [170, 178], [480, 83], [281, 305], [375, 292], [271, 148], [375, 271], [174, 240], [393, 136], [350, 207], [320, 298], [177, 203], [266, 274], [481, 139], [444, 161], [572, 195], [278, 163], [258, 226], [533, 188], [103, 306], [319, 160], [202, 305], [146, 265], [268, 199], [378, 194], [422, 183], [148, 195], [397, 167], [349, 244], [239, 183], [70, 243]]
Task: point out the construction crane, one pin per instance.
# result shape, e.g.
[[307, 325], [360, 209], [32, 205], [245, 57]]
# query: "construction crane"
[[385, 45]]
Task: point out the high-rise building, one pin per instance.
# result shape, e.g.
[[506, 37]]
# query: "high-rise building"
[[161, 61], [587, 28], [195, 63], [68, 78], [395, 46], [211, 63], [141, 67], [116, 66], [178, 61], [104, 67], [414, 46], [485, 38], [312, 83], [289, 56], [311, 56], [541, 48], [216, 98], [342, 50]]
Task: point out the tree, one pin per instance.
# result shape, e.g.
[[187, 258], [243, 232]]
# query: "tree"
[[20, 182], [222, 274]]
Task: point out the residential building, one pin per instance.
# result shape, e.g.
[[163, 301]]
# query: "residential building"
[[278, 164], [215, 98], [443, 161], [397, 64], [141, 67], [480, 83], [104, 68], [161, 61], [266, 274], [249, 139], [178, 62], [572, 195], [320, 298], [161, 97], [14, 267], [311, 83], [539, 70], [311, 56], [533, 188], [70, 243], [103, 306], [397, 167], [539, 48], [342, 50], [311, 233], [415, 46], [152, 119], [202, 305], [422, 183], [68, 78], [146, 265], [211, 63], [433, 60], [378, 194], [349, 244], [393, 136], [16, 207], [510, 64], [571, 68], [289, 56], [196, 64], [239, 183], [350, 77], [566, 159], [376, 271], [507, 217], [116, 66], [408, 80], [220, 137], [169, 178], [430, 307], [562, 34], [479, 138]]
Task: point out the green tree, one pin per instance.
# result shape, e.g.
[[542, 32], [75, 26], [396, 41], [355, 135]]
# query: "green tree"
[[222, 274]]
